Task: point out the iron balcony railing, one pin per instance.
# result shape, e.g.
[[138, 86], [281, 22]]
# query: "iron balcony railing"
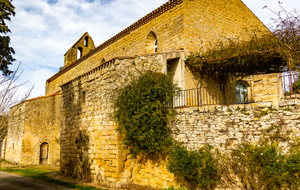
[[231, 93], [290, 85]]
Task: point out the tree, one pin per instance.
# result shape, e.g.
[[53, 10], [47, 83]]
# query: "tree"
[[286, 28], [9, 97], [6, 11]]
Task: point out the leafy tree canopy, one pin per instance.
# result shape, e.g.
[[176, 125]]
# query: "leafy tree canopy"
[[6, 11]]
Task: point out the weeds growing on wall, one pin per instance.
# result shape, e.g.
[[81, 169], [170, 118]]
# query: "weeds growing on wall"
[[143, 111], [194, 169]]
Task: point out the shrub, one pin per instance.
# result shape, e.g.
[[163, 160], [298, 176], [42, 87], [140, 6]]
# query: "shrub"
[[296, 87], [142, 114], [261, 166], [196, 169]]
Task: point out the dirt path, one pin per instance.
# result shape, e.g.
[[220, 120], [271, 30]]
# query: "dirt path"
[[14, 182]]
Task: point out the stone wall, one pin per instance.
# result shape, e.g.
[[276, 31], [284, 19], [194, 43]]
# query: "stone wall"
[[220, 125], [267, 87], [37, 121], [207, 21], [90, 146], [42, 125], [15, 133]]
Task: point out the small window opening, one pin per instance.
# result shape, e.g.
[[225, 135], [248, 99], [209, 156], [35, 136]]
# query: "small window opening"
[[241, 90], [86, 41], [79, 52], [83, 99], [13, 146], [19, 114], [155, 46]]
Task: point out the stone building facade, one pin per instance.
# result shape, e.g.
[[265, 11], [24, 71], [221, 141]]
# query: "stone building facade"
[[33, 135], [72, 126]]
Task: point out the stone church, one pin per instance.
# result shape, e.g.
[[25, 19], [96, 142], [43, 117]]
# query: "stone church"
[[71, 126]]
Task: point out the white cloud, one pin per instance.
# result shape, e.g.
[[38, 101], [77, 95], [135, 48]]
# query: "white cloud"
[[42, 32]]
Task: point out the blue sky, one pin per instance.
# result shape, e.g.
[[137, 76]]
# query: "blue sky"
[[43, 30]]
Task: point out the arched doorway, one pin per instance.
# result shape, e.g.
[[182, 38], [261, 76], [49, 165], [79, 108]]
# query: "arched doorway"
[[44, 153]]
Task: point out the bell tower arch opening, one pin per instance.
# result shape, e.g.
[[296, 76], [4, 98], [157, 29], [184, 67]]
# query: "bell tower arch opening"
[[79, 52]]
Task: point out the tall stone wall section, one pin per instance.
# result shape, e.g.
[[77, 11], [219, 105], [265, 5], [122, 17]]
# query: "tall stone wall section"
[[207, 21], [42, 125], [15, 134], [90, 146], [37, 121]]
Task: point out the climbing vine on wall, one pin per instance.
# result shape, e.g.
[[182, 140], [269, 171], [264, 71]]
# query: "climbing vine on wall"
[[142, 111], [257, 53]]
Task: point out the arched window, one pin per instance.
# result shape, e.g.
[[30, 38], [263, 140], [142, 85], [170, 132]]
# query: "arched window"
[[241, 92], [79, 52], [44, 153], [151, 43], [86, 41]]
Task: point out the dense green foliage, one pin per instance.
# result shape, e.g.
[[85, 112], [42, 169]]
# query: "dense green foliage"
[[263, 165], [6, 11], [142, 114], [195, 169], [296, 87], [236, 57]]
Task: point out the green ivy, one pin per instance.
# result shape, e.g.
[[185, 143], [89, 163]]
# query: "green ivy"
[[296, 87], [142, 111], [195, 169]]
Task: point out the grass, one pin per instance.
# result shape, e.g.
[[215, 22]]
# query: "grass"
[[40, 173]]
